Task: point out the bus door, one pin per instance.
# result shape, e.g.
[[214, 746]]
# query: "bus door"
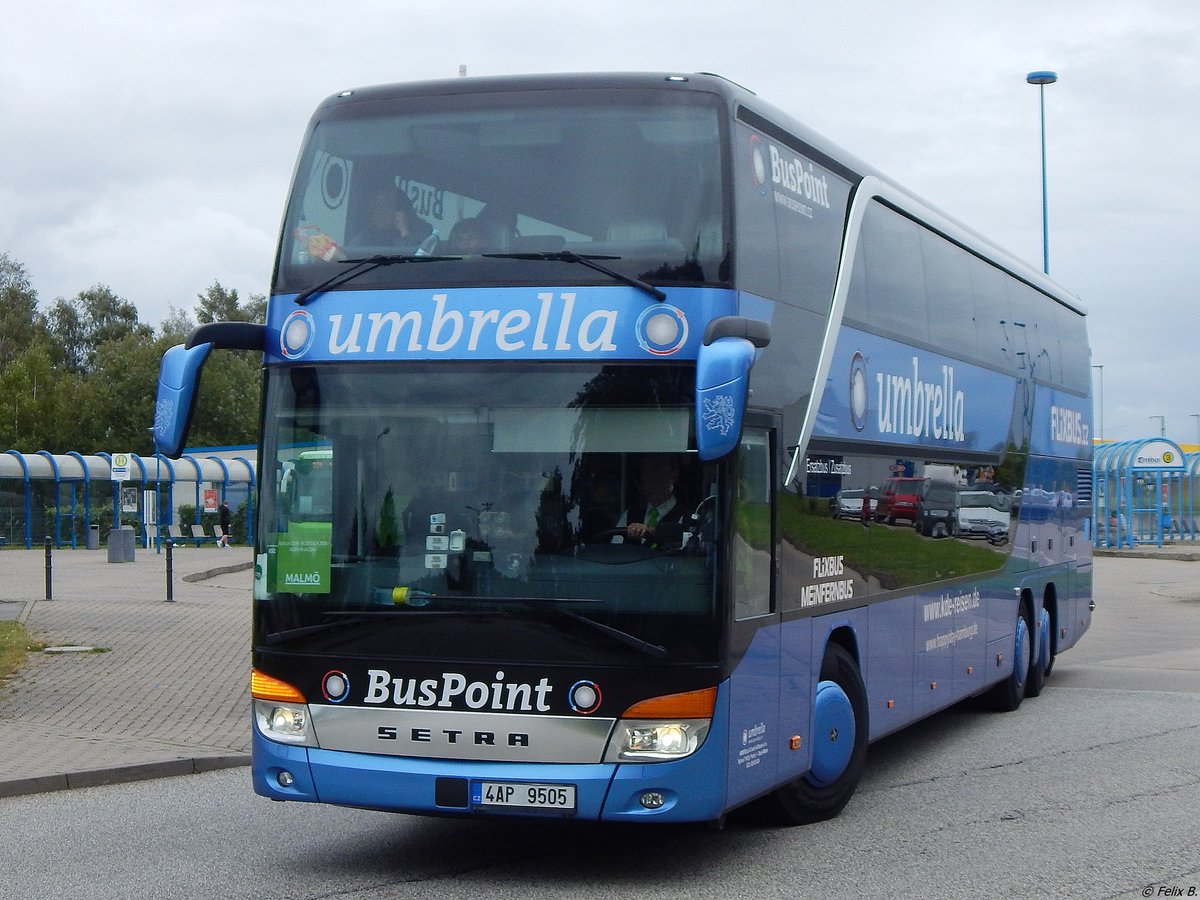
[[755, 637]]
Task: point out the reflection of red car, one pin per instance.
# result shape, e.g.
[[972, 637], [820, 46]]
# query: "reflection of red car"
[[899, 500]]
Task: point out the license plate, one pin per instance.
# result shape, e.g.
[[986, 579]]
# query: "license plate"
[[523, 795]]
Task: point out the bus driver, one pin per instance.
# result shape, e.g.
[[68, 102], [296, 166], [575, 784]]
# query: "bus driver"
[[658, 520]]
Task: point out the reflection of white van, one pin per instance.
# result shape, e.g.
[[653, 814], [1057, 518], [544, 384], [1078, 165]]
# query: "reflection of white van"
[[983, 514], [848, 504]]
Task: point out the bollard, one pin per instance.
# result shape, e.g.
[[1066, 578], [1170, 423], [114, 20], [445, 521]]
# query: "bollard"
[[49, 580], [170, 573]]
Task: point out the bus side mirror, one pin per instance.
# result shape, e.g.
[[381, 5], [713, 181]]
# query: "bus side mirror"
[[722, 370], [722, 380], [178, 378]]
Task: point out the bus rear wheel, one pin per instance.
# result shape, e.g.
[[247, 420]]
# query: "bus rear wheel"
[[1039, 666], [1008, 694], [840, 745]]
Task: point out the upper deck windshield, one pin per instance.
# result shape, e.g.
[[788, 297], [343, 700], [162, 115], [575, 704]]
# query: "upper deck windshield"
[[482, 513], [500, 188]]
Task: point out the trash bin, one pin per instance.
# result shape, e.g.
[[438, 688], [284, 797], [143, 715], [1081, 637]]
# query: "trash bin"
[[120, 544], [93, 537]]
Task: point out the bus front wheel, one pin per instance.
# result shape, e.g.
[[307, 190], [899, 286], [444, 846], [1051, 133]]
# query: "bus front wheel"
[[839, 745]]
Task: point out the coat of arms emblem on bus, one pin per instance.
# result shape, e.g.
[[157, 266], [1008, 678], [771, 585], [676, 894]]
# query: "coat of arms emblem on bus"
[[719, 413]]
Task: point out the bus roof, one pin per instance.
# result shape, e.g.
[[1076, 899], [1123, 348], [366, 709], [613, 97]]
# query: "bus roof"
[[739, 100]]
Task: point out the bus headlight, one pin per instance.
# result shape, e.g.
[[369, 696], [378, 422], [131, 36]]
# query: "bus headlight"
[[285, 722], [663, 728], [643, 741]]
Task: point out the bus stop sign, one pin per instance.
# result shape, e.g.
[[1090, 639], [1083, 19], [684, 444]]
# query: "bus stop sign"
[[120, 467]]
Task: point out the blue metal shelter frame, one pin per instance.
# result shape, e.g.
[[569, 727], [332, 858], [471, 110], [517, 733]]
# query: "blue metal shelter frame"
[[73, 469], [1144, 493]]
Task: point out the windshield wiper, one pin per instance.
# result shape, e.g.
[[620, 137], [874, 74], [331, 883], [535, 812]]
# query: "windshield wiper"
[[279, 637], [362, 266], [622, 637], [589, 260]]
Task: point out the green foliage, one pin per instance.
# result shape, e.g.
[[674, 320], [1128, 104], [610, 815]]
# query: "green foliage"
[[118, 395], [228, 402], [94, 318], [896, 556], [20, 324], [386, 533], [15, 642], [217, 304], [83, 376]]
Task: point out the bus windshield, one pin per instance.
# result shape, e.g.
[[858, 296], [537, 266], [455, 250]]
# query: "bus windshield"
[[485, 512], [497, 188]]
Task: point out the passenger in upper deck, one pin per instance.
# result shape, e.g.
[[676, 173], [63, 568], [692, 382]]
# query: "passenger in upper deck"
[[472, 236], [392, 222], [491, 231]]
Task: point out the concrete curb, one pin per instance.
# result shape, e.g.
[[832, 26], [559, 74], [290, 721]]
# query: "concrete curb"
[[1179, 554], [195, 651], [120, 774]]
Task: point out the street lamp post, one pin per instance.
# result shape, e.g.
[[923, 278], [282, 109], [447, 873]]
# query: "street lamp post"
[[1196, 416], [1101, 368], [1041, 79], [1162, 424]]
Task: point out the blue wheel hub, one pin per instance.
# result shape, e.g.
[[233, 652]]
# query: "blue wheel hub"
[[1021, 653], [833, 742], [1044, 640]]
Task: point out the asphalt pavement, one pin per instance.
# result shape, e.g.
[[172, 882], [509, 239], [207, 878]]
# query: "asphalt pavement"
[[132, 686]]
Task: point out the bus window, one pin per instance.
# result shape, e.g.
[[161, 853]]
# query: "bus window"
[[306, 487], [752, 533]]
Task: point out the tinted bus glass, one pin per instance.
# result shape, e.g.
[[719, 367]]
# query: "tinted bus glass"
[[635, 177], [477, 510]]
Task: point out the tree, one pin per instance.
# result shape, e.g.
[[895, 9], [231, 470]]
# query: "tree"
[[84, 376], [118, 393], [178, 324], [217, 304], [37, 400], [228, 401], [93, 318], [20, 322]]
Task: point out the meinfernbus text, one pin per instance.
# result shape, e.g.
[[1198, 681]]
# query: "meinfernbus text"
[[632, 453]]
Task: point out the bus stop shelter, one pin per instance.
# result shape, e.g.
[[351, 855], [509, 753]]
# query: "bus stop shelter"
[[71, 497], [1145, 491]]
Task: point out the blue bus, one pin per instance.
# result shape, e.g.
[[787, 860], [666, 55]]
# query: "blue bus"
[[586, 358]]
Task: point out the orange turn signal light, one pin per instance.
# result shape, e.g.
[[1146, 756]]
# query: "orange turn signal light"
[[689, 705], [264, 687]]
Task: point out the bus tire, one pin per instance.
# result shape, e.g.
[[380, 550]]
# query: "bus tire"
[[838, 757], [1008, 694], [1039, 667]]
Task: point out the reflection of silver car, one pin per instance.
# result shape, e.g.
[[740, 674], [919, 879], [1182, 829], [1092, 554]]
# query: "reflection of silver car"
[[984, 514], [847, 504]]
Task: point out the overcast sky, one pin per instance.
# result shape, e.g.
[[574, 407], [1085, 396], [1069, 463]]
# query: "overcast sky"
[[147, 146]]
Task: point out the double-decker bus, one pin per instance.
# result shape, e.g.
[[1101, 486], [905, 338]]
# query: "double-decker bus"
[[516, 313]]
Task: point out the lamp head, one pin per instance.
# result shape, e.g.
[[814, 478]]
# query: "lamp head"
[[1042, 77]]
